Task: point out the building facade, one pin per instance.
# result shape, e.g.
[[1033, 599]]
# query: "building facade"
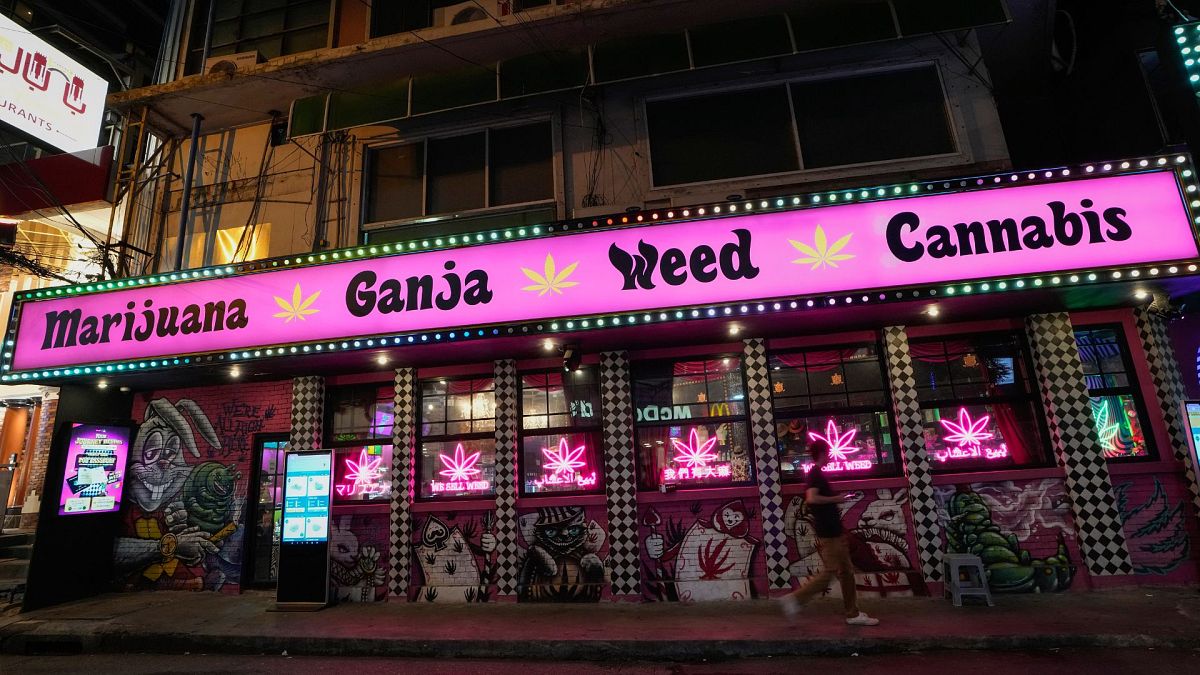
[[569, 288]]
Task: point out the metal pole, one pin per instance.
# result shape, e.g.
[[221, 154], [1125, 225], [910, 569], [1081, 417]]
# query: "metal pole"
[[185, 206]]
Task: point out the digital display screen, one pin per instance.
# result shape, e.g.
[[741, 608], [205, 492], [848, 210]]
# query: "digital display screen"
[[95, 470], [1192, 408], [306, 497]]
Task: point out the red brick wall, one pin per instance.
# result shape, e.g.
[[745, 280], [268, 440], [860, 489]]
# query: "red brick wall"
[[40, 456]]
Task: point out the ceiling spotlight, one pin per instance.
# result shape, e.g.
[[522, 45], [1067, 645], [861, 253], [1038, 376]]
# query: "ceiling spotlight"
[[124, 389], [548, 345], [933, 310], [571, 358], [102, 384], [235, 372], [1141, 294], [734, 329], [382, 359]]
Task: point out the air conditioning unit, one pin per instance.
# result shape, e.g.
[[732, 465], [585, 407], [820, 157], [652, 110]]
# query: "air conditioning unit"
[[464, 12], [231, 63]]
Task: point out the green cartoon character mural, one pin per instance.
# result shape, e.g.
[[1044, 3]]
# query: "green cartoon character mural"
[[1010, 568], [208, 497]]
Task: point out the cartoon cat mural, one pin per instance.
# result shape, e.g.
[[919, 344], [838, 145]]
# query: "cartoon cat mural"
[[184, 529], [561, 562]]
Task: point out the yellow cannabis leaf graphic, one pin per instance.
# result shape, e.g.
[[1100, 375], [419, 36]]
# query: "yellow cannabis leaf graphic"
[[298, 308], [820, 253], [551, 280]]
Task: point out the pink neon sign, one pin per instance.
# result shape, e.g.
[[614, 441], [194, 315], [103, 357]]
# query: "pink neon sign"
[[698, 460], [362, 476], [565, 466], [966, 439], [460, 473], [841, 446], [740, 257]]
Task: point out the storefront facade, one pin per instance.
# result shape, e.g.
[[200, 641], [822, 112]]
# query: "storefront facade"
[[618, 408]]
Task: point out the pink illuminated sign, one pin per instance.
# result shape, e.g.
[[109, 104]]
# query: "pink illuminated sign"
[[565, 466], [742, 256], [460, 473], [841, 447], [362, 475], [966, 439], [697, 458]]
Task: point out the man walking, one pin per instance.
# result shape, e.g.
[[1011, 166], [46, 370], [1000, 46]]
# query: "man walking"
[[823, 503]]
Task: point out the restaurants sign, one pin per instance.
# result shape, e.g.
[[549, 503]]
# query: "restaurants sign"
[[1112, 221]]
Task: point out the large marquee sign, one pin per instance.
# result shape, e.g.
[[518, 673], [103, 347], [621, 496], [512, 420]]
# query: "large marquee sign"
[[45, 93], [701, 262]]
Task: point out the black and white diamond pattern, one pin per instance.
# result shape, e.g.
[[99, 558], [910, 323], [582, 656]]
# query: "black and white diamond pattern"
[[404, 437], [1168, 387], [1073, 433], [308, 413], [620, 473], [507, 527], [766, 460], [906, 408]]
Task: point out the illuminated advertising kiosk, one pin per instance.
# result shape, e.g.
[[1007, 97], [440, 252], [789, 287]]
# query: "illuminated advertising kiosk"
[[620, 407]]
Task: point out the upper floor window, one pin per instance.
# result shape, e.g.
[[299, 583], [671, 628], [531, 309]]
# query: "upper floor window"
[[560, 432], [812, 124], [691, 423], [979, 403], [273, 28], [458, 444], [836, 395], [1116, 404], [502, 166]]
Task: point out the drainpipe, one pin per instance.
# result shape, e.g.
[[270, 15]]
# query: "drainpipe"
[[185, 206]]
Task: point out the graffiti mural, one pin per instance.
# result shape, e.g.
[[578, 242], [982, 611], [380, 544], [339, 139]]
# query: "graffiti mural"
[[708, 559], [456, 557], [355, 568], [184, 528], [877, 533], [1156, 531], [1022, 533], [236, 425], [561, 558]]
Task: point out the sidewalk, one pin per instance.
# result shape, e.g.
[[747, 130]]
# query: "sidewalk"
[[167, 623]]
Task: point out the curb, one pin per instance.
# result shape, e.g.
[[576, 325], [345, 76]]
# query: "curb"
[[46, 638]]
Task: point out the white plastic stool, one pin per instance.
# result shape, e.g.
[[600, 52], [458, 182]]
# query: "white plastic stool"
[[975, 586]]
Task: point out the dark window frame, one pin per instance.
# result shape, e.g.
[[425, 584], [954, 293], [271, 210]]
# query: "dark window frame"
[[790, 413], [742, 418], [421, 438], [384, 394], [594, 430], [1132, 389], [199, 17]]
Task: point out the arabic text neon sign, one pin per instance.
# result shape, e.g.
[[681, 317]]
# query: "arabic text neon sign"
[[564, 467], [460, 473], [966, 439], [698, 460], [841, 447], [363, 477]]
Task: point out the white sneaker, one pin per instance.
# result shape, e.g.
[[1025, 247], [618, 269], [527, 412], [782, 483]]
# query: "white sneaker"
[[790, 607], [862, 620]]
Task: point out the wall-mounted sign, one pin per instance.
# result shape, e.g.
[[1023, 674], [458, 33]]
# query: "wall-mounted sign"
[[1128, 219], [843, 450], [566, 467], [969, 438], [695, 459], [47, 94], [360, 474], [1191, 415], [306, 495], [459, 473], [95, 471]]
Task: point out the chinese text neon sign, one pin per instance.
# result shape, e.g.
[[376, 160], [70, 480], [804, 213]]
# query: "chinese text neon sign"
[[460, 473], [698, 460], [841, 447], [363, 476], [565, 466], [966, 439]]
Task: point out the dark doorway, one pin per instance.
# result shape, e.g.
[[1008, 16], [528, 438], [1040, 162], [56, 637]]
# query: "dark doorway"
[[264, 509]]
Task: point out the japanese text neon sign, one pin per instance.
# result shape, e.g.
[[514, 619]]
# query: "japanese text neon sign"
[[841, 447], [460, 473], [966, 439], [565, 466], [362, 476], [698, 460]]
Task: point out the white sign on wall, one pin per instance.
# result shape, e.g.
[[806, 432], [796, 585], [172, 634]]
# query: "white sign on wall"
[[46, 94]]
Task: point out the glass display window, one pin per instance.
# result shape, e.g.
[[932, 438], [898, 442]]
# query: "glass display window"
[[560, 433], [1117, 408], [457, 456]]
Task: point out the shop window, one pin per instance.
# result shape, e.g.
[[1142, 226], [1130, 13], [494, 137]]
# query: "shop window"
[[839, 396], [358, 427], [691, 424], [979, 403], [497, 167], [458, 445], [273, 28], [1116, 405], [560, 436], [799, 125]]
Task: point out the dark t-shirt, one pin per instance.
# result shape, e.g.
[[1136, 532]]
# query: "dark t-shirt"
[[826, 519]]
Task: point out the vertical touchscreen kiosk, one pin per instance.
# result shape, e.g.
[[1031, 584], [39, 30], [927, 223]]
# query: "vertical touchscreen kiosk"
[[1191, 417], [304, 544]]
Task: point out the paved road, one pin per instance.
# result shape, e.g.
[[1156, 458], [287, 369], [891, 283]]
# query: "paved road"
[[1060, 662]]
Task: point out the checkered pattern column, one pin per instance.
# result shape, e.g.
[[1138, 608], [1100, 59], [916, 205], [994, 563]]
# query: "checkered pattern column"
[[508, 557], [911, 434], [1073, 433], [766, 459], [1168, 387], [404, 445], [308, 413], [620, 473]]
